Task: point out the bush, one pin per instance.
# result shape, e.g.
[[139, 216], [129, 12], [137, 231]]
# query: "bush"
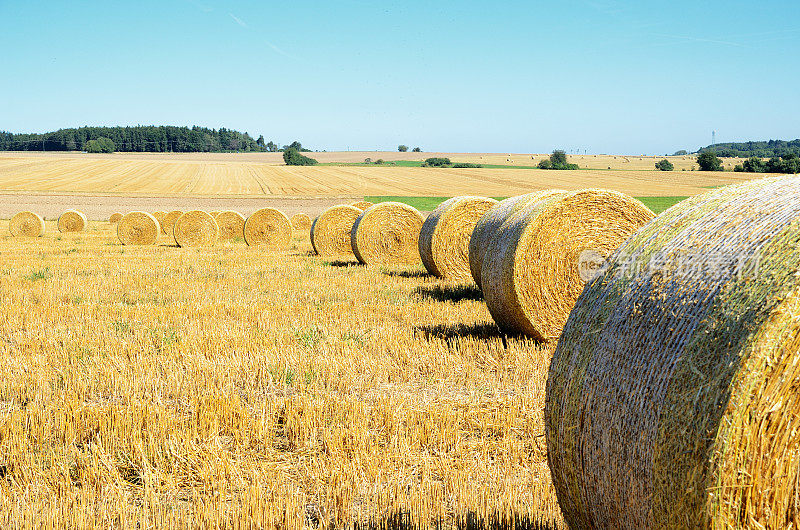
[[100, 145], [680, 153], [558, 160], [416, 150], [292, 157], [665, 165], [437, 162], [379, 161], [402, 148], [545, 164], [466, 165], [708, 161]]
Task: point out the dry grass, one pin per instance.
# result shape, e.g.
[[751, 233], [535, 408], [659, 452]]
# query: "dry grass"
[[169, 386], [257, 174]]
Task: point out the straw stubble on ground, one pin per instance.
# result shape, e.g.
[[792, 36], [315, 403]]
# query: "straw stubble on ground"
[[167, 385]]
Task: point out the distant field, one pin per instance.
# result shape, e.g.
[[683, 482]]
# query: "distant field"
[[427, 204], [253, 175]]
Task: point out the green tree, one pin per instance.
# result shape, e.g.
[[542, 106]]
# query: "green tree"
[[665, 165], [292, 157], [680, 153], [99, 145], [402, 148], [708, 161], [417, 150], [272, 146], [558, 158], [260, 141]]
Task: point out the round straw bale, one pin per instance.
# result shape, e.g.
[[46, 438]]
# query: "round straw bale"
[[491, 222], [268, 227], [330, 232], [195, 228], [362, 205], [231, 225], [72, 221], [672, 395], [26, 224], [159, 217], [168, 223], [301, 221], [214, 213], [387, 233], [444, 239], [115, 217], [538, 261], [138, 228]]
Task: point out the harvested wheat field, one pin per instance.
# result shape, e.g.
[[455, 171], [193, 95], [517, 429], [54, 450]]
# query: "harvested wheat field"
[[258, 175], [162, 386]]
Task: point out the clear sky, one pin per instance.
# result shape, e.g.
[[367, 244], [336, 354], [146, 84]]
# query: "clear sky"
[[605, 76]]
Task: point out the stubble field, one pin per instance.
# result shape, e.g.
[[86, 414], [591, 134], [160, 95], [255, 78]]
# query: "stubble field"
[[165, 386]]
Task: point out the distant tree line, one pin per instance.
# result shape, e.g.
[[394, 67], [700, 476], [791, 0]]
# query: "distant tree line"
[[141, 138], [768, 149], [788, 163]]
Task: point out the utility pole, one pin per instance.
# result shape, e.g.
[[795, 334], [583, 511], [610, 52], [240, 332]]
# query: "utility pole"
[[713, 138]]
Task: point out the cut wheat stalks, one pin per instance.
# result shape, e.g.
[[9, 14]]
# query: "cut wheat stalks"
[[538, 261], [138, 228], [72, 221], [195, 228], [231, 225], [268, 227], [491, 222], [115, 217], [168, 223], [26, 224], [330, 232], [362, 205], [445, 236], [386, 234], [301, 221], [672, 395]]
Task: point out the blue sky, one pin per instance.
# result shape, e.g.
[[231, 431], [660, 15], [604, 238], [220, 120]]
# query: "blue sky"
[[605, 76]]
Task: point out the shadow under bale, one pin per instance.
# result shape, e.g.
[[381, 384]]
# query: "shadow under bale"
[[452, 332], [450, 293], [471, 521], [342, 263], [407, 274]]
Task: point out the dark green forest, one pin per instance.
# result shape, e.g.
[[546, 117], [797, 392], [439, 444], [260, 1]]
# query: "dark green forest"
[[141, 138], [766, 149]]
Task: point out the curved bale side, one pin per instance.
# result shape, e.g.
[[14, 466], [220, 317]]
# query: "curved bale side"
[[195, 228], [138, 228], [160, 218], [330, 232], [214, 213], [168, 222], [362, 205], [538, 262], [269, 228], [72, 221], [114, 218], [301, 221], [231, 225], [445, 236], [491, 222], [387, 234], [26, 224], [672, 395]]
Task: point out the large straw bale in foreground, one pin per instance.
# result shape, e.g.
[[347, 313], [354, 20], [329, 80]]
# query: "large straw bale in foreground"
[[138, 228], [538, 261], [72, 221], [387, 233], [445, 236], [330, 232], [168, 222], [672, 398], [26, 224], [301, 221], [268, 227], [195, 228], [231, 225], [362, 205], [114, 218], [491, 222]]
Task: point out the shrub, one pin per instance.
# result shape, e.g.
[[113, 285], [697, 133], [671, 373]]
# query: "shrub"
[[466, 165], [402, 148], [292, 157], [437, 162], [100, 145], [379, 161], [417, 150], [708, 161], [665, 165], [558, 158], [680, 153], [545, 164]]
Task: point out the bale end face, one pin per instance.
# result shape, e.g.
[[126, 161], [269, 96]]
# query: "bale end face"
[[301, 221], [387, 234], [72, 221], [231, 225], [138, 228], [269, 228], [26, 224], [195, 228], [330, 232]]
